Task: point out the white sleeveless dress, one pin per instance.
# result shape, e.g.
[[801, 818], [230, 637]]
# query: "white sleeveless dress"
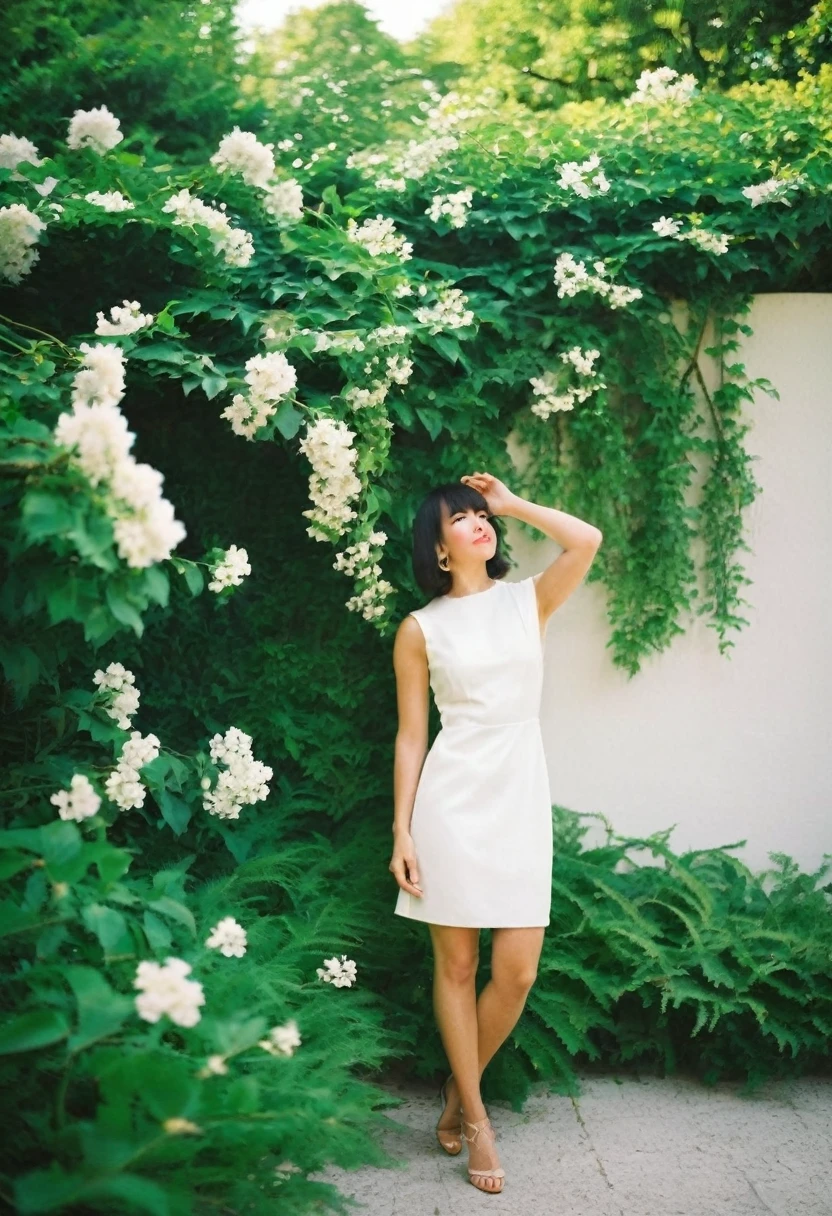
[[482, 814]]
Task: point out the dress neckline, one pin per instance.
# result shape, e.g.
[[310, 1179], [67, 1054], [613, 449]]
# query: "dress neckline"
[[471, 594]]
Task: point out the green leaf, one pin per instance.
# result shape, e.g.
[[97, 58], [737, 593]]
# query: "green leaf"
[[101, 1011], [288, 420], [123, 610], [175, 911], [432, 420], [45, 515], [12, 863], [162, 352], [194, 578], [50, 1190], [157, 585], [168, 1086], [213, 384], [159, 936], [29, 1031], [175, 811], [109, 927]]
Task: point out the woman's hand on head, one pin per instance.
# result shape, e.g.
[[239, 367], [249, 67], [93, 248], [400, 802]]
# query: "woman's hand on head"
[[495, 492], [403, 865]]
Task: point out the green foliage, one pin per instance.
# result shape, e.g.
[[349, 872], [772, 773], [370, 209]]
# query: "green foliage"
[[167, 70], [547, 53]]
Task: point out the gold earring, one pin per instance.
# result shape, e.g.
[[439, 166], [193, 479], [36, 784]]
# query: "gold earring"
[[447, 564]]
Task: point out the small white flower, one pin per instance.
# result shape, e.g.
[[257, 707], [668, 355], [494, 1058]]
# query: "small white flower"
[[339, 973], [282, 1040], [79, 802], [772, 191], [228, 937], [112, 200], [19, 232], [125, 318], [665, 226], [97, 129], [230, 570], [166, 990], [241, 152], [449, 312], [284, 201], [453, 208], [16, 150], [379, 236], [662, 85]]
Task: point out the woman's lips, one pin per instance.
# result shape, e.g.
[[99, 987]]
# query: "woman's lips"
[[482, 540]]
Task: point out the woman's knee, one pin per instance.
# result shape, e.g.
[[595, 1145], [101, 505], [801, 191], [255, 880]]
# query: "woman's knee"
[[458, 969], [519, 977]]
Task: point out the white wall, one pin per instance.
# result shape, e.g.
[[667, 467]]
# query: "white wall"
[[734, 747]]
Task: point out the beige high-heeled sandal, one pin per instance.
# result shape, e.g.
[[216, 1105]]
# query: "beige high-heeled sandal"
[[483, 1125], [452, 1144]]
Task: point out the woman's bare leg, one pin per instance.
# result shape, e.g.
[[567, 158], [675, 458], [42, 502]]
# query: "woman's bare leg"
[[456, 955], [515, 954]]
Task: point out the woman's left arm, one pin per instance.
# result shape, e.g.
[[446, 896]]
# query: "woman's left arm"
[[579, 540]]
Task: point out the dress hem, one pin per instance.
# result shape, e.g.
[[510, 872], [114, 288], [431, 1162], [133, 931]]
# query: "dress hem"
[[454, 924]]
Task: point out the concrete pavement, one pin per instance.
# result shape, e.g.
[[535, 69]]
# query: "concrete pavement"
[[629, 1146]]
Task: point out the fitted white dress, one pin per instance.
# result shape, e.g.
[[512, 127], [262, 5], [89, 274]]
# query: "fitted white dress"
[[482, 814]]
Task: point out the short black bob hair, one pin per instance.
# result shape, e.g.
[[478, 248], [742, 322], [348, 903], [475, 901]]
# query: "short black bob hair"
[[427, 533]]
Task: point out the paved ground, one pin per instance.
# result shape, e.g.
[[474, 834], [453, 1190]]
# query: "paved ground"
[[629, 1147]]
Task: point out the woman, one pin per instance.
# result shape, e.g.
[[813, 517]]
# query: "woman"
[[472, 830]]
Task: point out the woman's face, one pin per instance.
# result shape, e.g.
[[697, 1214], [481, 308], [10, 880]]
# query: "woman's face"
[[468, 537]]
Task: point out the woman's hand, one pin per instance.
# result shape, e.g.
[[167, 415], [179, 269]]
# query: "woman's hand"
[[403, 864], [495, 492]]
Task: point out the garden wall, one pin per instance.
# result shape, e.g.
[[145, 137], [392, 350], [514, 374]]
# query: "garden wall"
[[727, 747]]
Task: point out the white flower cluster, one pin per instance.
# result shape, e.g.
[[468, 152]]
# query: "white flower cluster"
[[387, 370], [125, 318], [97, 129], [552, 396], [410, 163], [244, 780], [284, 201], [117, 679], [711, 242], [269, 377], [572, 276], [449, 312], [165, 989], [233, 244], [16, 150], [123, 785], [773, 191], [453, 208], [328, 447], [144, 525], [339, 973], [379, 236], [360, 561], [228, 937], [19, 232], [662, 85], [79, 802], [230, 570], [241, 152], [340, 343], [282, 1040], [574, 177], [110, 200]]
